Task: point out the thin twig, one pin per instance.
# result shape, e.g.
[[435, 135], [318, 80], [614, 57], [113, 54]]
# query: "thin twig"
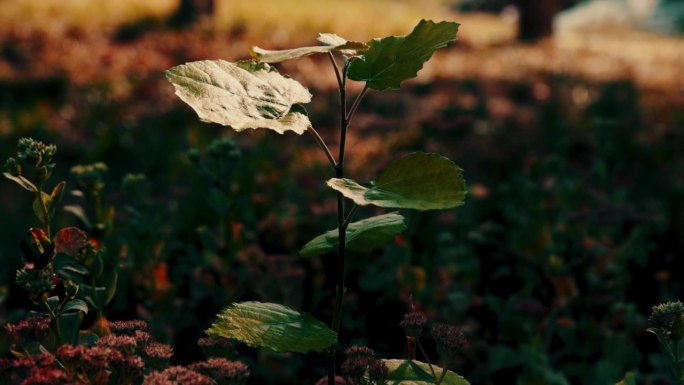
[[323, 146], [357, 101]]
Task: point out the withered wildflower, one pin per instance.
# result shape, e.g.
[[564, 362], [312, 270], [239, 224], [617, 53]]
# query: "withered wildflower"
[[663, 316], [49, 376], [216, 346], [413, 324], [177, 375], [377, 372], [223, 371], [450, 340], [358, 360]]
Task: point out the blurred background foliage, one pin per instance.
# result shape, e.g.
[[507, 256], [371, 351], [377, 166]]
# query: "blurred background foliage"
[[572, 148]]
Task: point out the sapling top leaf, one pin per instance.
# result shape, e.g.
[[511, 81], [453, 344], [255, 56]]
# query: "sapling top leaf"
[[391, 60], [330, 43], [242, 95], [419, 181]]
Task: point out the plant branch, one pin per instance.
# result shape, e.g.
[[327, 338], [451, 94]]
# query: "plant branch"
[[323, 146], [427, 359], [350, 216], [340, 82]]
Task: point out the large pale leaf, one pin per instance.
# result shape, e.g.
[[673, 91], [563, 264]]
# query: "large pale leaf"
[[364, 235], [273, 326], [409, 372], [391, 60], [417, 181], [330, 43], [242, 95]]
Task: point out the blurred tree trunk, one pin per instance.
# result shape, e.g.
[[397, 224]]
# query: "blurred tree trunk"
[[189, 11], [536, 18]]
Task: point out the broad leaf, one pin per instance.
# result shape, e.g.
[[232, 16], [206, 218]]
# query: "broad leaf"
[[391, 60], [331, 42], [409, 372], [364, 235], [68, 324], [417, 181], [75, 305], [242, 95], [273, 326]]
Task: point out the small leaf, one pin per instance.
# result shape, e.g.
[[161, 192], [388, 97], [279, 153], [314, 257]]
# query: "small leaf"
[[391, 60], [417, 181], [242, 95], [418, 373], [79, 213], [68, 268], [39, 209], [75, 305], [273, 326], [55, 198], [87, 339], [70, 240], [364, 235], [21, 181]]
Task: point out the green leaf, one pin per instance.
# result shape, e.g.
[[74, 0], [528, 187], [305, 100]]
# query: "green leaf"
[[411, 372], [664, 342], [68, 268], [55, 198], [242, 95], [75, 305], [39, 209], [417, 181], [391, 60], [336, 44], [21, 181], [68, 325], [273, 326], [364, 235], [52, 303], [87, 339]]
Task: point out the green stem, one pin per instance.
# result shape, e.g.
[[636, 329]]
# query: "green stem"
[[350, 216], [427, 359], [46, 224]]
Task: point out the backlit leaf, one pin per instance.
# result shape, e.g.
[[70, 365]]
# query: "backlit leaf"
[[242, 95], [21, 181], [273, 326], [391, 60], [364, 235], [70, 240], [410, 372], [417, 181], [331, 42]]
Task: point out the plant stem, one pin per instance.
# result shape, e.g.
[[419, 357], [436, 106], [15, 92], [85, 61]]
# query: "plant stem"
[[350, 216], [427, 359]]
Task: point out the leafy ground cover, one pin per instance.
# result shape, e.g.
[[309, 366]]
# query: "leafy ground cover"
[[571, 231]]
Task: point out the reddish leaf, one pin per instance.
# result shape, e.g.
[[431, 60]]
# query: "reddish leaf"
[[70, 240]]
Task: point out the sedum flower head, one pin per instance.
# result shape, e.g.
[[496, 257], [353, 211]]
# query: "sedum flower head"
[[124, 344], [223, 371], [91, 176], [34, 152], [663, 316], [12, 167], [35, 281], [28, 330], [177, 375], [216, 346]]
